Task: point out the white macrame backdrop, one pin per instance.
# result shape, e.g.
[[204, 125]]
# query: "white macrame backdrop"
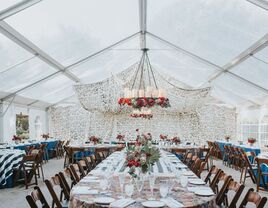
[[189, 117]]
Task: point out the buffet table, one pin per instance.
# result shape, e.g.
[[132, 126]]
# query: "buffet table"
[[90, 190]]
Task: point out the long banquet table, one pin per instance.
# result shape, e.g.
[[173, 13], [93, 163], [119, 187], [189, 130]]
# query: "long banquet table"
[[88, 189]]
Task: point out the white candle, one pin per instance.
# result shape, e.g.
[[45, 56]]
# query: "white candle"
[[141, 93], [155, 93], [129, 95], [126, 92], [134, 93], [160, 93]]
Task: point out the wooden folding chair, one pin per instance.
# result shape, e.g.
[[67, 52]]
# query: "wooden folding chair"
[[231, 186], [261, 174], [37, 195], [255, 198]]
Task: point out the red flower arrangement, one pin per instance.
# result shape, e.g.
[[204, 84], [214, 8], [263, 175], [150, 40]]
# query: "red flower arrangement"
[[251, 140], [142, 155], [120, 137], [16, 138], [176, 140], [94, 139], [163, 137], [144, 102], [45, 136]]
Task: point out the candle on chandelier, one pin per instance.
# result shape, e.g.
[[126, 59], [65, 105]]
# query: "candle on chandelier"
[[149, 91], [126, 92], [155, 93], [141, 93], [161, 93], [134, 93]]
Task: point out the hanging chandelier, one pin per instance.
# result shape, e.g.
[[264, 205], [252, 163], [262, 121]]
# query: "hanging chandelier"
[[144, 92]]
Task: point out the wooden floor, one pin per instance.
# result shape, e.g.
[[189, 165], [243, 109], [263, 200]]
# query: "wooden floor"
[[15, 197]]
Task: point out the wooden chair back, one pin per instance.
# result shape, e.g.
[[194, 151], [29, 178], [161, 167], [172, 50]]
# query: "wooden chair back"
[[81, 165], [222, 198], [55, 199], [255, 198], [213, 171], [261, 174], [64, 185], [35, 196]]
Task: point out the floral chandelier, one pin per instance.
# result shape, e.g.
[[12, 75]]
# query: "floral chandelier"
[[144, 92]]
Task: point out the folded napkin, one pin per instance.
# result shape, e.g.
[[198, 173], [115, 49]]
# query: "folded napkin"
[[83, 190], [121, 203], [172, 203], [196, 188], [88, 180]]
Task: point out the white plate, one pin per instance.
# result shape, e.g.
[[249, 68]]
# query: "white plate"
[[196, 181], [91, 177], [153, 204], [204, 192], [104, 200], [188, 173]]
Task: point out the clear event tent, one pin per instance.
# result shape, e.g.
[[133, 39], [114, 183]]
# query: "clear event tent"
[[47, 46]]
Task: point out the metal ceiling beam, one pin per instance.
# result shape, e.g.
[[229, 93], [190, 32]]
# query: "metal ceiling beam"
[[81, 61], [143, 22], [260, 3], [14, 9], [15, 36], [70, 66], [208, 63], [256, 47]]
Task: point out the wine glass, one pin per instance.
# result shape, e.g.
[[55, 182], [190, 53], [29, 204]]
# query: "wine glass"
[[152, 179], [163, 189], [139, 185], [121, 176], [103, 185], [184, 181], [129, 188]]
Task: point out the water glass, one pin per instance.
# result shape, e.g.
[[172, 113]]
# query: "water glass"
[[163, 189], [129, 188], [121, 181], [103, 184], [152, 179], [184, 181]]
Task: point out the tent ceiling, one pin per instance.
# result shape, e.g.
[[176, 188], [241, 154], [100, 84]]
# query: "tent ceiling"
[[46, 46]]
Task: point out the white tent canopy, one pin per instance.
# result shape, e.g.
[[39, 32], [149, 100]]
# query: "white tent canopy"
[[47, 46]]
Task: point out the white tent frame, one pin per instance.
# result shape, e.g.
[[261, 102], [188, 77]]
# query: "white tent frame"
[[19, 39]]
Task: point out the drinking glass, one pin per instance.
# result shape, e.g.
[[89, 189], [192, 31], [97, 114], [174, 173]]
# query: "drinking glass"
[[129, 188], [184, 181], [103, 185], [122, 182], [139, 185], [152, 179], [163, 189]]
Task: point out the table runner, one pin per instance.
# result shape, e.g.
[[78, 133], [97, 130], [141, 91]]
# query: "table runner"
[[89, 188]]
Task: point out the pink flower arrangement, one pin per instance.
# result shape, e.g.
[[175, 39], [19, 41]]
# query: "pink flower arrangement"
[[163, 137], [94, 139], [120, 137]]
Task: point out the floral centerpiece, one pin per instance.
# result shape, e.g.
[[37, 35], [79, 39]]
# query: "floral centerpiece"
[[145, 102], [251, 141], [45, 136], [227, 138], [16, 139], [94, 140], [120, 137], [163, 137], [176, 140], [141, 156]]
